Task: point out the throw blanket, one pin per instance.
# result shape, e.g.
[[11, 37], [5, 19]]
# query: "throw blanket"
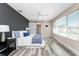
[[37, 39]]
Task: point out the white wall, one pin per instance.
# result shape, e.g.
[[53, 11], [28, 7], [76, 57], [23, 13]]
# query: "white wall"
[[45, 31], [32, 28]]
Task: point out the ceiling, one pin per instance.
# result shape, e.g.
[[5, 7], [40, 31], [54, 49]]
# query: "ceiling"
[[40, 11]]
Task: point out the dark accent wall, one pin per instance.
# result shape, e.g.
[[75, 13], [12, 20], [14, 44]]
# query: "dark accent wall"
[[8, 16]]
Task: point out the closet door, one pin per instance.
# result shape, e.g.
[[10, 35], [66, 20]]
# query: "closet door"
[[38, 29]]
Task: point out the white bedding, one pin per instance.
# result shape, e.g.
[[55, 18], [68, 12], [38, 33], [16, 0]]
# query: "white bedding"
[[27, 41]]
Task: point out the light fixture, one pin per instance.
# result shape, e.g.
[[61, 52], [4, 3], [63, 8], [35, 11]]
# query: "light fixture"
[[27, 28], [41, 15], [3, 29]]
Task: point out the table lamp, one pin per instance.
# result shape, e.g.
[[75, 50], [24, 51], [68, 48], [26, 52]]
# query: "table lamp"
[[3, 29]]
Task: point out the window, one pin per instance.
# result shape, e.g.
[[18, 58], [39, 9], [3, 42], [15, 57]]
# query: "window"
[[60, 26], [68, 26], [73, 22], [73, 25]]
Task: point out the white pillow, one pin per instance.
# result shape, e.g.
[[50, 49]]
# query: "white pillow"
[[13, 34]]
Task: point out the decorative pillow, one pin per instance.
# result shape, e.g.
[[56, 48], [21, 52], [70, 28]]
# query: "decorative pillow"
[[17, 35], [13, 34], [26, 34]]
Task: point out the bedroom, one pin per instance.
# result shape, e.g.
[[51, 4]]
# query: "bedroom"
[[30, 29]]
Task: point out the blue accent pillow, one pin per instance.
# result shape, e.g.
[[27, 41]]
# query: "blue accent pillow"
[[26, 34], [17, 35]]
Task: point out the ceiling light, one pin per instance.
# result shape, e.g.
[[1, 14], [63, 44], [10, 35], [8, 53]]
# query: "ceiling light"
[[40, 17]]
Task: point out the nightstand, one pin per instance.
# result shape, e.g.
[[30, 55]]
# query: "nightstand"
[[8, 46]]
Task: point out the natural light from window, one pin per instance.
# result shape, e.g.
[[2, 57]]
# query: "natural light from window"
[[68, 26]]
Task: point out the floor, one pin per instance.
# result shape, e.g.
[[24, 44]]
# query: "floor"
[[51, 49]]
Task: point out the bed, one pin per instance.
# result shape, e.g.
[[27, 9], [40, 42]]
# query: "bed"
[[30, 40]]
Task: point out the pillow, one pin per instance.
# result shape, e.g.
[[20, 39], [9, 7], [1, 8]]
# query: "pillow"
[[13, 34], [26, 34], [17, 35]]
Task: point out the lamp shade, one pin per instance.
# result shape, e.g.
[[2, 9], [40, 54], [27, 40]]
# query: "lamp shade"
[[4, 28]]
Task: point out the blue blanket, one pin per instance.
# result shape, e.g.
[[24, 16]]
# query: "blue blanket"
[[37, 39]]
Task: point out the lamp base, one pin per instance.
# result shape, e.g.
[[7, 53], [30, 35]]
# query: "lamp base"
[[3, 37]]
